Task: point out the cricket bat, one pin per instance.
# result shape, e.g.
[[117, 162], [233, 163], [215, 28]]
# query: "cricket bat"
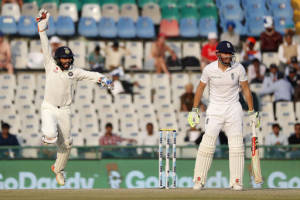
[[256, 171]]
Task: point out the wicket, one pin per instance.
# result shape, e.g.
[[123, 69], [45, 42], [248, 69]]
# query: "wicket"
[[167, 164]]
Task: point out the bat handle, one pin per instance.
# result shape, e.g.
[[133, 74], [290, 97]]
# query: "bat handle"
[[253, 130]]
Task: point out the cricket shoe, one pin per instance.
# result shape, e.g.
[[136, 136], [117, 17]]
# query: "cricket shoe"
[[236, 187], [60, 178], [197, 184]]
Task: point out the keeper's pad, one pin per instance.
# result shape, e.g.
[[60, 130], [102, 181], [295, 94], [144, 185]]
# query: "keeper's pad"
[[63, 152], [49, 141], [236, 160], [204, 158]]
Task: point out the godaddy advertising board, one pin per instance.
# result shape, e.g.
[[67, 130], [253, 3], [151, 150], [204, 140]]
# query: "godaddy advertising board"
[[36, 174]]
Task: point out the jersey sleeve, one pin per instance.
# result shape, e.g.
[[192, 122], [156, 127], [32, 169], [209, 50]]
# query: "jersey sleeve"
[[243, 74], [204, 76], [46, 49], [81, 75]]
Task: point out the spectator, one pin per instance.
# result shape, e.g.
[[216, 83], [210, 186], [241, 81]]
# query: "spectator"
[[293, 78], [55, 42], [96, 60], [293, 66], [194, 136], [149, 139], [208, 51], [281, 89], [114, 55], [249, 52], [110, 138], [122, 86], [287, 50], [295, 139], [270, 76], [256, 71], [7, 139], [276, 138], [19, 2], [187, 99], [270, 39], [230, 35], [5, 55], [158, 51]]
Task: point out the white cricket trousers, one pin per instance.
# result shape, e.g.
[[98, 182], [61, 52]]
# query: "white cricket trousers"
[[230, 119], [56, 122]]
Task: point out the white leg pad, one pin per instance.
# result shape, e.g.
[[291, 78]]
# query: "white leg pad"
[[236, 160], [63, 152], [204, 158]]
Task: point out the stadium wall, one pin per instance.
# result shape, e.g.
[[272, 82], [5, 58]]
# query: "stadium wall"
[[130, 173]]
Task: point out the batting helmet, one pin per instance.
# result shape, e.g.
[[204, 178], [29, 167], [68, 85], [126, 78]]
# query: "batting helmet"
[[225, 47], [63, 52]]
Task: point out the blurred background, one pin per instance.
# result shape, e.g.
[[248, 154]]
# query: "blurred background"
[[155, 51]]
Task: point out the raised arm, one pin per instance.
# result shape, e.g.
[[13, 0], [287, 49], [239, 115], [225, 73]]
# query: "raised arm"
[[42, 21], [94, 77]]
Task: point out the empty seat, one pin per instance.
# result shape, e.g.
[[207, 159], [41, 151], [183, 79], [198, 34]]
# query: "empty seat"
[[89, 123], [145, 28], [92, 139], [281, 23], [232, 11], [130, 11], [170, 13], [65, 26], [107, 28], [207, 25], [141, 99], [27, 26], [133, 62], [78, 48], [91, 11], [84, 109], [167, 120], [126, 28], [19, 49], [27, 79], [169, 27], [285, 111], [111, 11], [78, 139], [176, 47], [189, 11], [160, 80], [85, 88], [8, 25], [75, 122], [12, 10], [101, 99], [152, 11], [188, 27], [51, 27], [191, 49], [29, 124], [68, 9], [8, 80], [30, 9], [254, 26], [136, 48], [208, 11], [109, 118], [87, 27]]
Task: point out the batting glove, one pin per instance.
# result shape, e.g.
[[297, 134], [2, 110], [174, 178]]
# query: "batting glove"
[[42, 20], [105, 82], [254, 118], [194, 117]]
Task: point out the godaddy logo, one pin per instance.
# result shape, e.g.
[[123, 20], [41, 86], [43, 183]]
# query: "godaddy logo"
[[28, 180]]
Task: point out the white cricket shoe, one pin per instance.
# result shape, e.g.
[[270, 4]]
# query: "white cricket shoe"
[[198, 186], [60, 178], [236, 187]]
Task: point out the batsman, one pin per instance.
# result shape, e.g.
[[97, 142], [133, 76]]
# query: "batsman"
[[61, 80], [224, 77]]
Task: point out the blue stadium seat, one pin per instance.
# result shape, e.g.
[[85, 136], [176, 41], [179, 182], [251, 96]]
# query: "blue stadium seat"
[[246, 3], [270, 2], [8, 25], [281, 9], [207, 25], [231, 11], [239, 28], [126, 28], [27, 26], [254, 26], [51, 27], [87, 27], [255, 8], [221, 3], [65, 26], [107, 28], [281, 23], [188, 27], [145, 28]]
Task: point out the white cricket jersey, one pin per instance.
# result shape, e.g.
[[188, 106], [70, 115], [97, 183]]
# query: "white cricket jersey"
[[223, 87], [61, 84]]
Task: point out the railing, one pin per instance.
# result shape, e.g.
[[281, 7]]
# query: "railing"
[[139, 152]]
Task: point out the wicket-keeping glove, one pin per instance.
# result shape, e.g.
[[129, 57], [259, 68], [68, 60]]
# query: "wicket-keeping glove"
[[42, 20], [254, 118], [194, 117], [106, 82]]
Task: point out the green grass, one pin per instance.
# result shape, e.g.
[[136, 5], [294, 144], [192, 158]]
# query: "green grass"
[[153, 194]]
